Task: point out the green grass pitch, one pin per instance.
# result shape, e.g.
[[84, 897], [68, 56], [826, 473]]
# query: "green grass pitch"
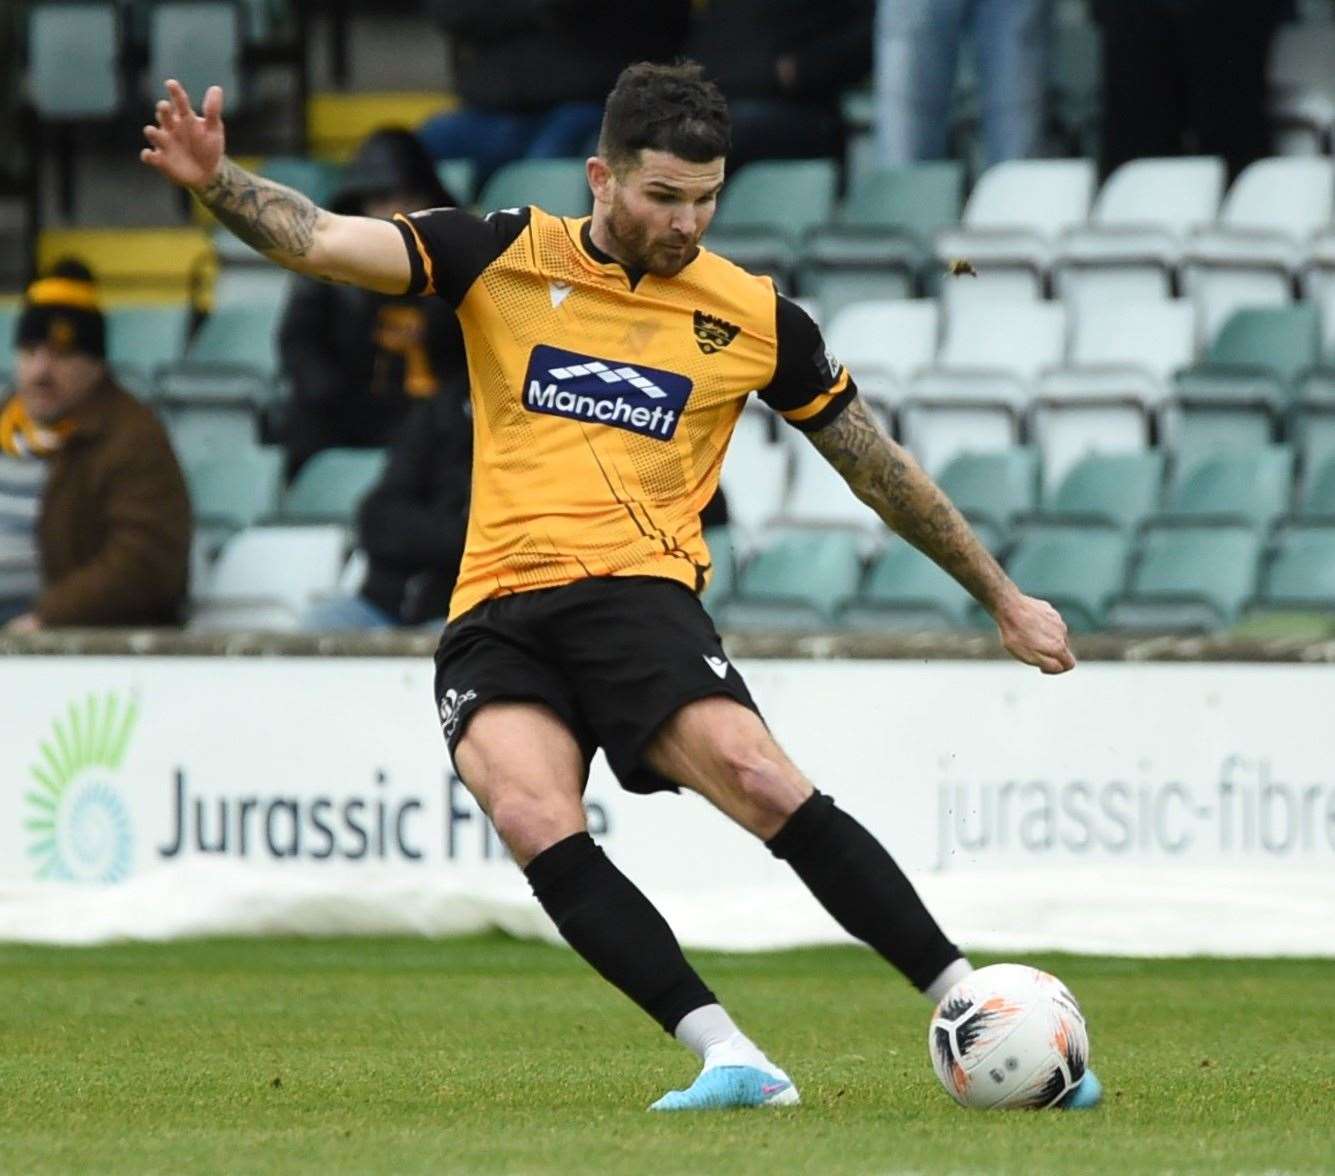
[[488, 1055]]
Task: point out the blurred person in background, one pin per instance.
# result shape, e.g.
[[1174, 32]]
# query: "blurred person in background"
[[783, 66], [917, 52], [412, 523], [360, 361], [531, 75], [94, 513], [1186, 77]]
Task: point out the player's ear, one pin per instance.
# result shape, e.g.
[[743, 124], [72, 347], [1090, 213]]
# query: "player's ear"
[[601, 178]]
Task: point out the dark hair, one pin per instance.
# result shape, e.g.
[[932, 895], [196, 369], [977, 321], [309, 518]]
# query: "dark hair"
[[72, 268], [671, 108]]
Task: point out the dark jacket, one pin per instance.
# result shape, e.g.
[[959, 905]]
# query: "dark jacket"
[[528, 55], [739, 41], [114, 530], [342, 348], [412, 524]]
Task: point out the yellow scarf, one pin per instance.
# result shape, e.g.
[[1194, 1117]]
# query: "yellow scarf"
[[21, 436]]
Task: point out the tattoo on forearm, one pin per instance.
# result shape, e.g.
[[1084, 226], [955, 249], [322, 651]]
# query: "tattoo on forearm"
[[266, 216], [886, 478]]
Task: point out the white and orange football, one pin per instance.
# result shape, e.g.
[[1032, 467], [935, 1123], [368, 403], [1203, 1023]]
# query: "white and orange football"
[[1008, 1036]]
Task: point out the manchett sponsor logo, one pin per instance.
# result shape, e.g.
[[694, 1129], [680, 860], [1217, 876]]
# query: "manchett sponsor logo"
[[78, 826], [639, 399]]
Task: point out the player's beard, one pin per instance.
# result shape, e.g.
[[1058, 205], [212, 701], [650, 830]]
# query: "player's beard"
[[639, 249]]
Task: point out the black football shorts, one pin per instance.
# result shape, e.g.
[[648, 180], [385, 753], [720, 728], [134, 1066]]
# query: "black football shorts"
[[613, 656]]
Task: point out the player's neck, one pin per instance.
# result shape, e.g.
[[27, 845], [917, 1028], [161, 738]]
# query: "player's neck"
[[602, 244]]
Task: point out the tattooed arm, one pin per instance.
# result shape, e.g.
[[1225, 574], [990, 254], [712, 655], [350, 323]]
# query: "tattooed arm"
[[890, 481], [276, 221]]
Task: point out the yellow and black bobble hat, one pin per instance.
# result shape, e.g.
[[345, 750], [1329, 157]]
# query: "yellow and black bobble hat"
[[62, 311]]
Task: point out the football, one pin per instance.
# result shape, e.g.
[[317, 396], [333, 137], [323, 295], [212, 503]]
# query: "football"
[[1008, 1036]]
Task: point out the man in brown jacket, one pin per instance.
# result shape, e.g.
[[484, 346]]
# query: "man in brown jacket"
[[94, 513]]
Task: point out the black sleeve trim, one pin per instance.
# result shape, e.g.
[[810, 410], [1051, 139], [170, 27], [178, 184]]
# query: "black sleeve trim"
[[803, 369], [453, 247], [829, 413], [417, 271]]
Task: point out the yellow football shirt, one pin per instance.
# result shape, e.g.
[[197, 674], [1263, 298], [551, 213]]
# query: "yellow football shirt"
[[604, 399]]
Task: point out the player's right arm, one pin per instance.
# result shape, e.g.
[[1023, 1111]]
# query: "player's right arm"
[[280, 223]]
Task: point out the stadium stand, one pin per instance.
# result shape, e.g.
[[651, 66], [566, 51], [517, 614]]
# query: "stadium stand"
[[885, 343], [330, 486], [558, 185], [1301, 573], [799, 580], [1080, 571], [905, 590]]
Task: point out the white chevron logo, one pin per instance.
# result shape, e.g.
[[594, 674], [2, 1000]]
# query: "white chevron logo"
[[558, 292]]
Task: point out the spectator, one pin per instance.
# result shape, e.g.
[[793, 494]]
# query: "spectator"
[[917, 50], [412, 524], [783, 65], [94, 513], [532, 74], [359, 361], [1186, 77]]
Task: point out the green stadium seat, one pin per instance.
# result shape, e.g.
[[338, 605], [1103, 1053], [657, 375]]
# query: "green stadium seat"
[[1118, 489], [767, 208], [992, 488], [1079, 571], [237, 489], [330, 487], [315, 178], [1318, 493], [905, 591], [459, 176], [232, 359], [558, 186], [723, 554], [1189, 578], [1250, 486], [74, 69], [881, 237], [201, 43], [8, 323], [201, 429], [1301, 575], [797, 581], [141, 339], [1234, 398]]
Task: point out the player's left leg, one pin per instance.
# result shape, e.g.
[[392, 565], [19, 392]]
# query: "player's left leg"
[[722, 750]]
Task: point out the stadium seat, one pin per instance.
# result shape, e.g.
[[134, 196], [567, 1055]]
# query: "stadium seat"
[[1134, 241], [265, 577], [74, 60], [316, 178], [1011, 224], [1188, 578], [1319, 285], [973, 397], [1301, 574], [1107, 489], [9, 315], [757, 470], [798, 580], [723, 556], [202, 428], [134, 266], [819, 496], [884, 343], [260, 286], [233, 358], [459, 178], [1317, 497], [1252, 256], [906, 591], [1122, 356], [558, 186], [236, 489], [1302, 96], [141, 339], [337, 121], [992, 489], [331, 486], [881, 236], [767, 208], [1080, 571], [1235, 397], [1250, 486], [198, 42]]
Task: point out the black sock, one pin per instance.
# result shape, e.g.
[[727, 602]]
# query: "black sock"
[[857, 881], [605, 917]]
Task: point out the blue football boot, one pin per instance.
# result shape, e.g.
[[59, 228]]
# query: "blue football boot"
[[727, 1087]]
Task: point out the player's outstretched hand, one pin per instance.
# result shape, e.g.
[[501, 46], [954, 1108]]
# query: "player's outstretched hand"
[[1033, 632], [184, 146]]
